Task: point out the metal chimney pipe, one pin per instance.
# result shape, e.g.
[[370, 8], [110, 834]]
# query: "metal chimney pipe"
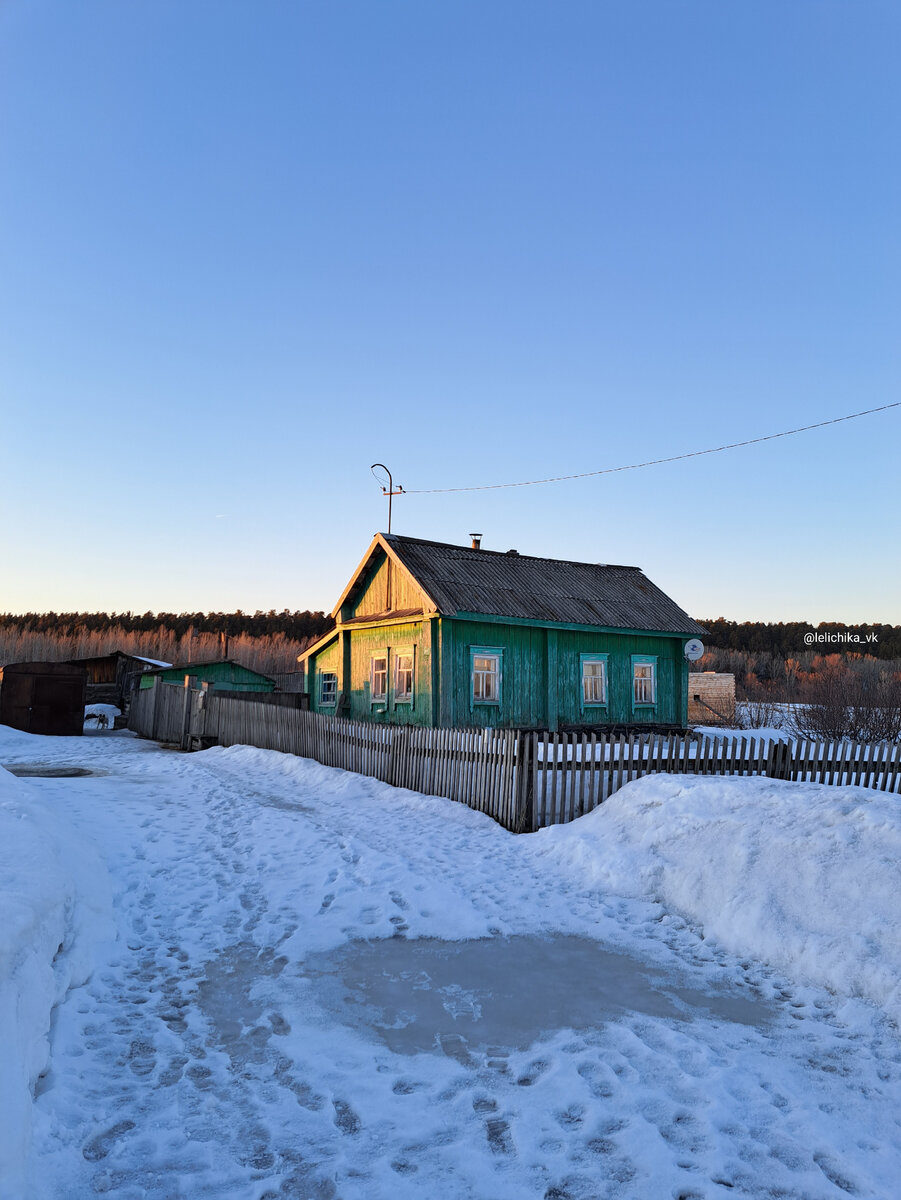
[[476, 541]]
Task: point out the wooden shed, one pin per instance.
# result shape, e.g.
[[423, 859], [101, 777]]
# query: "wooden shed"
[[43, 697], [434, 634], [711, 698], [112, 678], [223, 675]]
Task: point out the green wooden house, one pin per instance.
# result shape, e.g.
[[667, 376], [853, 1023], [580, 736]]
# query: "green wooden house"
[[455, 636], [224, 675]]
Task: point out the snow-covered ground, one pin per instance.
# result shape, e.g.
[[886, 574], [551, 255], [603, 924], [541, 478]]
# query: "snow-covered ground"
[[322, 987]]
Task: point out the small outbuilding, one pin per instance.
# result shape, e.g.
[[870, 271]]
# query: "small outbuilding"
[[43, 697], [223, 675], [113, 678], [711, 698], [434, 634]]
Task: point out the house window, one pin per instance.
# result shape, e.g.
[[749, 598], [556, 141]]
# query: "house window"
[[328, 688], [486, 675], [403, 677], [594, 680], [644, 681], [378, 679]]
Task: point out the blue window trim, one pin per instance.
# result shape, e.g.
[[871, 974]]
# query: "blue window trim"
[[642, 659], [583, 703], [479, 652]]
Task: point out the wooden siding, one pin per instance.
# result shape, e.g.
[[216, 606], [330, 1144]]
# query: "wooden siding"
[[619, 650], [526, 702], [325, 660], [523, 701], [715, 703], [353, 680], [223, 676], [391, 639], [386, 587]]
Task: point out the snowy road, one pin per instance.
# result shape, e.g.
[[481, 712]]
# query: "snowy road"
[[324, 987]]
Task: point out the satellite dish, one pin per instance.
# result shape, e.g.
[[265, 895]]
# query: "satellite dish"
[[694, 649]]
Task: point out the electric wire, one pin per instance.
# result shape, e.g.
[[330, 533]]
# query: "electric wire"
[[654, 462]]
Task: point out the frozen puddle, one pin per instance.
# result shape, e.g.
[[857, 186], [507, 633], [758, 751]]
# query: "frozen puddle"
[[44, 771], [426, 995]]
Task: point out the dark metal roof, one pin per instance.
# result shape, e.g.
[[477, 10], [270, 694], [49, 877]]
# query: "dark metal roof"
[[460, 579]]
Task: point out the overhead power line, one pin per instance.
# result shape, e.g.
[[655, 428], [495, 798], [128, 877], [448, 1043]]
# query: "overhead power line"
[[654, 462]]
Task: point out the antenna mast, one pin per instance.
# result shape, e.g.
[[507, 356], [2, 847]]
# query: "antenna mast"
[[389, 490]]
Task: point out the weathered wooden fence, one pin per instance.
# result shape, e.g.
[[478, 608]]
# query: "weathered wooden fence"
[[573, 773], [525, 780], [478, 767]]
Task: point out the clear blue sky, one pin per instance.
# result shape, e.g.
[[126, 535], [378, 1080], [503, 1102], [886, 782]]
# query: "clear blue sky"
[[248, 249]]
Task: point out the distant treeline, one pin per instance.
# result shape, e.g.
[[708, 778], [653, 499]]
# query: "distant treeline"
[[268, 642], [756, 652], [785, 639], [259, 624]]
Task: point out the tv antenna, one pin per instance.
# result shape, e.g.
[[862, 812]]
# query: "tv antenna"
[[389, 490]]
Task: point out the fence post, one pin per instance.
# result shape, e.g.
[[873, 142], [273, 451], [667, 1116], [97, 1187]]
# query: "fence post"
[[186, 716], [150, 730], [779, 761], [524, 816]]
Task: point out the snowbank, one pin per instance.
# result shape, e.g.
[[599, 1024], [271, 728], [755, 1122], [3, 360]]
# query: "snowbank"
[[803, 876], [54, 902]]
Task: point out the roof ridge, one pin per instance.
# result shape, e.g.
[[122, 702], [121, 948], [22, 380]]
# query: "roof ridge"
[[569, 562]]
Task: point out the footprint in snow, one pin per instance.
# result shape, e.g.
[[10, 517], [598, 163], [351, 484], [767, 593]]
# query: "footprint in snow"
[[498, 1133], [345, 1117], [279, 1025], [201, 1077], [533, 1072], [99, 1147], [141, 1057]]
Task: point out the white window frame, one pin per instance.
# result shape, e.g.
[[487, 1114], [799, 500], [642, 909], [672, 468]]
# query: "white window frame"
[[497, 674], [331, 676], [644, 660], [399, 654], [593, 660], [381, 697]]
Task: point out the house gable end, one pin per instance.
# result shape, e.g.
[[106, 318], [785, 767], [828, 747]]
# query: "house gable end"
[[381, 586]]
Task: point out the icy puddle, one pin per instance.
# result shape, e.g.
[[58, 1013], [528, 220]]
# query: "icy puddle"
[[428, 995], [43, 771]]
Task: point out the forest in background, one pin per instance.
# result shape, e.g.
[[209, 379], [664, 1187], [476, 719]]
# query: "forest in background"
[[769, 660], [785, 639], [836, 689], [772, 662], [267, 642]]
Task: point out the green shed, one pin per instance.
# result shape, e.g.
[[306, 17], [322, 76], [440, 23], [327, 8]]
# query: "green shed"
[[455, 636], [225, 675]]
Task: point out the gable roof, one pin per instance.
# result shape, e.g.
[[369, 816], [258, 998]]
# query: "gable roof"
[[193, 667], [460, 579], [455, 579]]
